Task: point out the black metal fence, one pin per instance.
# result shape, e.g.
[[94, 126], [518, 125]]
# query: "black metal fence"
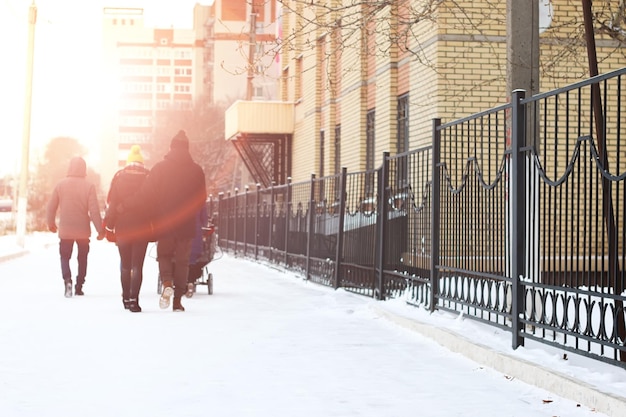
[[514, 216]]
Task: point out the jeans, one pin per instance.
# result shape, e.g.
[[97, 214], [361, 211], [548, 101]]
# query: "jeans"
[[66, 247], [173, 257], [132, 255]]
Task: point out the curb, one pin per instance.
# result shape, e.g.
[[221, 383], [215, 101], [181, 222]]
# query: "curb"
[[11, 256], [528, 372], [21, 252]]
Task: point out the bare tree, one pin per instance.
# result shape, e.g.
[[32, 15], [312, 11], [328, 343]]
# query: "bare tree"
[[396, 25], [204, 124], [611, 19]]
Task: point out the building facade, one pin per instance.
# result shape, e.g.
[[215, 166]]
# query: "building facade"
[[363, 79], [149, 70]]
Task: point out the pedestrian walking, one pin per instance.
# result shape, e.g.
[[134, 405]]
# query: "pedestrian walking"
[[175, 188], [132, 228], [75, 200]]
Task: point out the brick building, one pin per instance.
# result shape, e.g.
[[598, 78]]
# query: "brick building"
[[350, 91]]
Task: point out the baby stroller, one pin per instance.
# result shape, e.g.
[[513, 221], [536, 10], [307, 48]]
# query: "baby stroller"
[[198, 270]]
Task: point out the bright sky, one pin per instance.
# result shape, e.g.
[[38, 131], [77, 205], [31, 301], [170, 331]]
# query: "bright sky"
[[66, 65], [265, 344]]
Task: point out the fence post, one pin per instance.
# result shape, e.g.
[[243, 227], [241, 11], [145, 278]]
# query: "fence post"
[[342, 212], [245, 222], [221, 216], [381, 227], [435, 219], [229, 203], [518, 212], [311, 227], [287, 214], [271, 226], [236, 217], [256, 221]]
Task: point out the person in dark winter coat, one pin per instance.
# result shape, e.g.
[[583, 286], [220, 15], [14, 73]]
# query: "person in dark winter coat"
[[176, 190], [75, 200], [132, 228]]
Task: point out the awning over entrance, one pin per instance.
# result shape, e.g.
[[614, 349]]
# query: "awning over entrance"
[[261, 132]]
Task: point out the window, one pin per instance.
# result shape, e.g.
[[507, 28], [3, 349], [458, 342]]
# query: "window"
[[403, 123], [322, 152], [337, 149], [298, 90], [260, 50], [182, 71], [403, 140], [284, 85], [182, 88], [182, 53], [370, 139], [164, 52], [370, 145]]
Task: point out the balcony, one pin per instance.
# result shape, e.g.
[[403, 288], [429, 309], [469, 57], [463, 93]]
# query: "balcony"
[[262, 132]]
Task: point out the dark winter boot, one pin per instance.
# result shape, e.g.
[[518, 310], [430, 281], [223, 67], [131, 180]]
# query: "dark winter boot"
[[135, 287], [133, 305], [126, 302], [125, 280], [177, 306], [68, 288], [78, 290]]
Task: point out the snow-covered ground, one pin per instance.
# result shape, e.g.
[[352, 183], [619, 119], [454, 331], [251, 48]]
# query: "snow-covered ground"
[[265, 343]]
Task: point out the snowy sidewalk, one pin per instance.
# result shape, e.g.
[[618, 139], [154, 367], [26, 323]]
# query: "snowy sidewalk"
[[266, 343]]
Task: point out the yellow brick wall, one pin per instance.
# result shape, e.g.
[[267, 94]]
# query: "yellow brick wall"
[[352, 102], [457, 68]]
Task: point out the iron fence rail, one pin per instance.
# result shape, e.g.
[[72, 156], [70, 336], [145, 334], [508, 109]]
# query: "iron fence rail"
[[514, 216]]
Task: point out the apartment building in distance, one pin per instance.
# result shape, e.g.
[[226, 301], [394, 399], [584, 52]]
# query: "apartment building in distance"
[[147, 70]]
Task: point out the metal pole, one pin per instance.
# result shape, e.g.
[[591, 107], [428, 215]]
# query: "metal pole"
[[311, 227], [256, 221], [435, 216], [251, 55], [22, 201], [236, 219], [245, 222], [287, 206], [518, 214], [381, 227]]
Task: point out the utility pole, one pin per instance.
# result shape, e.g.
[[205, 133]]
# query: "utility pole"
[[22, 201], [251, 55], [522, 49], [522, 73]]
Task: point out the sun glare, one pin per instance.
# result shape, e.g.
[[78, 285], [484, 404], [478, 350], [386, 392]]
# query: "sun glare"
[[70, 90]]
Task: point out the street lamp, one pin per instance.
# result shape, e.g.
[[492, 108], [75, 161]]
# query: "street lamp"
[[22, 201]]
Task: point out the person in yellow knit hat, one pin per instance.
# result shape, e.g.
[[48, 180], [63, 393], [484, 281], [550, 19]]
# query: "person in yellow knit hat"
[[132, 228]]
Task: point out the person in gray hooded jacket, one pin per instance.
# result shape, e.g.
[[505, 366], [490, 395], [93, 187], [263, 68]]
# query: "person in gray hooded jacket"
[[75, 200]]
